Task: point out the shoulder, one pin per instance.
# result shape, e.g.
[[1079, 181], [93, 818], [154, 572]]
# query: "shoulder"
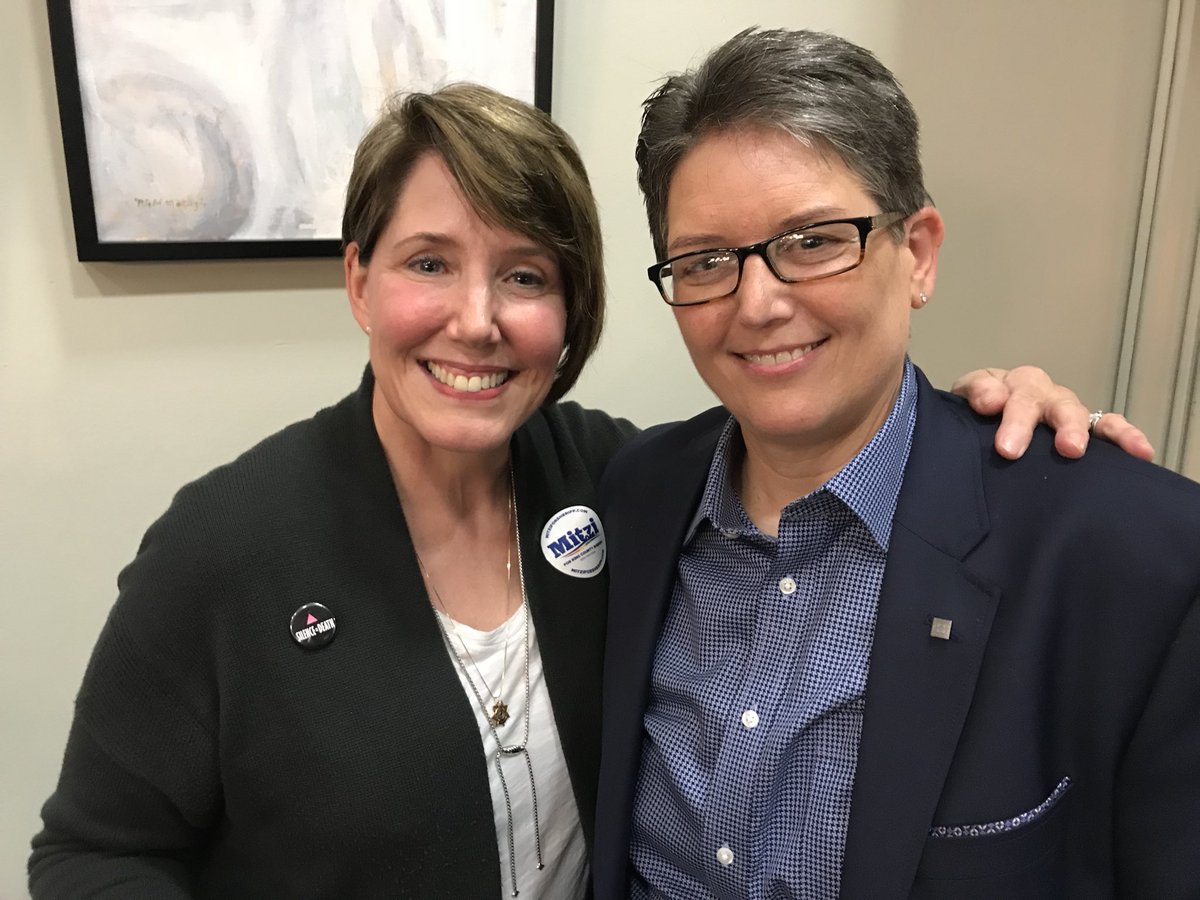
[[236, 539], [667, 460], [286, 474], [1102, 470], [244, 520], [1105, 499], [575, 436], [697, 435]]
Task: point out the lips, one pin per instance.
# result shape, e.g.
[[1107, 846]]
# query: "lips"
[[468, 384], [781, 357]]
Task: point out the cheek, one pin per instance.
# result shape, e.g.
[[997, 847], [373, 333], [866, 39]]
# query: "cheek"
[[406, 315], [883, 320], [702, 329], [541, 331]]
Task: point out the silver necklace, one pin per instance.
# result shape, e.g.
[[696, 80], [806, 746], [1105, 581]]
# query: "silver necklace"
[[502, 750], [499, 712]]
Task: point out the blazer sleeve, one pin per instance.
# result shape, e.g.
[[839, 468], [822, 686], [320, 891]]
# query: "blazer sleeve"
[[1158, 786]]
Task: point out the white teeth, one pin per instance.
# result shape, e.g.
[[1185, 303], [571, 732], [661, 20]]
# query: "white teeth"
[[471, 384], [776, 359]]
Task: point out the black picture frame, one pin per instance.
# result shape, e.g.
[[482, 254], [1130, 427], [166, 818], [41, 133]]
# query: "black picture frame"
[[92, 247]]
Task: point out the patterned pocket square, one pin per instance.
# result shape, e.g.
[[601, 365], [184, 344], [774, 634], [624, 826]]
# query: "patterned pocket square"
[[1004, 825]]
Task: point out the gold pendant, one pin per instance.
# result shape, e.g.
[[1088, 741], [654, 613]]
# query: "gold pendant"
[[499, 714]]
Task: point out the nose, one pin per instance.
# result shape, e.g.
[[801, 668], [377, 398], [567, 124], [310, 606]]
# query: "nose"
[[762, 298], [474, 321]]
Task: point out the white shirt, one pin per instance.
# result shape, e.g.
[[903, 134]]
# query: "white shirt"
[[564, 851]]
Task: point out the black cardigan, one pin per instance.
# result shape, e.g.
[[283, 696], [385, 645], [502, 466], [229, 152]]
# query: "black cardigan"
[[212, 756]]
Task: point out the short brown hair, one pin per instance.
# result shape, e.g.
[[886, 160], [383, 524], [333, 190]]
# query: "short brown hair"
[[518, 169]]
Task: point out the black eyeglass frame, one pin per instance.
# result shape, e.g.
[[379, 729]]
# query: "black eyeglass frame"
[[864, 224]]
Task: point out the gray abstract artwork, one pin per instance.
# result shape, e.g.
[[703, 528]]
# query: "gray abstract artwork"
[[237, 119]]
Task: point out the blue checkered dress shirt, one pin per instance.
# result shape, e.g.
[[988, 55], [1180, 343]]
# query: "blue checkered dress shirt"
[[756, 696]]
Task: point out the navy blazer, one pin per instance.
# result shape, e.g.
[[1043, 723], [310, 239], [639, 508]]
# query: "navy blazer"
[[1074, 654]]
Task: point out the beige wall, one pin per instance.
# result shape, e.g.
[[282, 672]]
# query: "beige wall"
[[119, 382]]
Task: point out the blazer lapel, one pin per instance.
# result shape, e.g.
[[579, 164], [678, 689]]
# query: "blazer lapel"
[[920, 685], [648, 507]]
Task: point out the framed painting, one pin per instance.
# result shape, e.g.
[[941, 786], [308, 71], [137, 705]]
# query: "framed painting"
[[226, 129]]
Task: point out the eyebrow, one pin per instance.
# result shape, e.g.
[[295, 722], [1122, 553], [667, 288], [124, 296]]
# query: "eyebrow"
[[442, 239], [712, 241], [426, 237]]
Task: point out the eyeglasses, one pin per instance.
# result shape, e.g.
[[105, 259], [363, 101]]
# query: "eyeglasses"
[[807, 253]]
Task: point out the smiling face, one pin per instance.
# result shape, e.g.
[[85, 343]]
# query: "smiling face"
[[813, 366], [466, 321]]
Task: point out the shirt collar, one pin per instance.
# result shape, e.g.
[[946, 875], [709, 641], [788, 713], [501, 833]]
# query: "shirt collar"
[[868, 485]]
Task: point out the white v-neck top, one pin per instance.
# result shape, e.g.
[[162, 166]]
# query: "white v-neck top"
[[564, 851]]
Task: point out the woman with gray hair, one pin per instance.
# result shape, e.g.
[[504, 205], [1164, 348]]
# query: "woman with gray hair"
[[852, 653]]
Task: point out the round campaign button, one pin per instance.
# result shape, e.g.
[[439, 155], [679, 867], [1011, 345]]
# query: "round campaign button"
[[313, 626], [573, 542]]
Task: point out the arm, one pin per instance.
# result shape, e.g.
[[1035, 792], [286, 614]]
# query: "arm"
[[1158, 784], [1025, 396], [139, 789], [87, 850]]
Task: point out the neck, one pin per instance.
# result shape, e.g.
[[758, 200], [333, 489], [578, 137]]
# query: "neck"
[[460, 488], [437, 482], [456, 503], [775, 471]]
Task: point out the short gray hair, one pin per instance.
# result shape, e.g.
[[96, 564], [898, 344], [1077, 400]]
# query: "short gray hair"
[[823, 90]]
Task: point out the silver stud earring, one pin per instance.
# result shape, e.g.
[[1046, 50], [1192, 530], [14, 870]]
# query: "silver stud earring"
[[367, 329], [924, 297]]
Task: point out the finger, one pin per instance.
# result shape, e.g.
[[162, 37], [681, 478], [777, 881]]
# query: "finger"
[[983, 389], [1069, 418], [1071, 440], [1035, 397], [1021, 415], [1116, 429]]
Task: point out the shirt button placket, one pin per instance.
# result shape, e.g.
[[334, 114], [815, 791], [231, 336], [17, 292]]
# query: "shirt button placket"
[[787, 585]]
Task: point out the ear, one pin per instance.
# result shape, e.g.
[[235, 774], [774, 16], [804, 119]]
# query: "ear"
[[356, 286], [925, 232]]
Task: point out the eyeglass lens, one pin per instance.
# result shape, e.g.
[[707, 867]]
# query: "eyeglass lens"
[[795, 256]]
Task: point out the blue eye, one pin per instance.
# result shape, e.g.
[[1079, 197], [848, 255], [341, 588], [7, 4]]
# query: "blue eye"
[[531, 282], [528, 279], [427, 264]]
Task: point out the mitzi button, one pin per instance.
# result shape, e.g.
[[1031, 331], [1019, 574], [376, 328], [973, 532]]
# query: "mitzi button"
[[313, 626]]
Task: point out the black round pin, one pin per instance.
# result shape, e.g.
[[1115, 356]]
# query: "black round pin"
[[313, 626]]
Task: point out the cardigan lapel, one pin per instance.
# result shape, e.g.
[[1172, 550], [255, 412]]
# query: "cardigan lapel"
[[568, 612], [920, 685]]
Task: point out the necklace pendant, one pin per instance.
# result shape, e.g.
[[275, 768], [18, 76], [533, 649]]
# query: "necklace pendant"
[[499, 714]]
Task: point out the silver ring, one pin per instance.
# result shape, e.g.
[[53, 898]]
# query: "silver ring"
[[1093, 418]]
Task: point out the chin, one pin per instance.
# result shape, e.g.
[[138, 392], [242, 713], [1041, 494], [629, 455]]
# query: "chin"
[[781, 424], [470, 440], [471, 437]]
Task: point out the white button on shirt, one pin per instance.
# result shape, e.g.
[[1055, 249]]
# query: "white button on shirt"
[[750, 718], [725, 856], [787, 584]]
